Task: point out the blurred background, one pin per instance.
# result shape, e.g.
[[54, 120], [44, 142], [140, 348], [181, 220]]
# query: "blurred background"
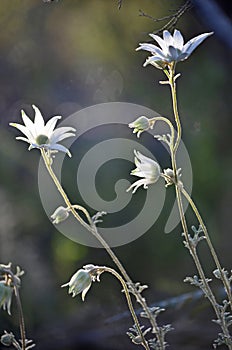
[[69, 54]]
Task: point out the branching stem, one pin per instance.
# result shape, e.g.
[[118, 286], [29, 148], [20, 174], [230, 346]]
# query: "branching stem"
[[93, 230], [192, 249]]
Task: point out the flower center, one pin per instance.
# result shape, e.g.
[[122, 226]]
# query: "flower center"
[[42, 140]]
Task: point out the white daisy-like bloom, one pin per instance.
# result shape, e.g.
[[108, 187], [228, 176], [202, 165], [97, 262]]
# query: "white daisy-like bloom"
[[41, 135], [172, 48], [146, 168]]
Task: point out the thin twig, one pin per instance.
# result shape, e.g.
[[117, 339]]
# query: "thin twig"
[[172, 19], [120, 4]]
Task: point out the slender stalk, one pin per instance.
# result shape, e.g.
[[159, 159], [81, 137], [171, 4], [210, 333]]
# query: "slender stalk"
[[175, 110], [93, 229], [21, 318], [167, 121], [60, 189], [207, 290], [212, 250], [193, 252], [130, 305], [12, 280]]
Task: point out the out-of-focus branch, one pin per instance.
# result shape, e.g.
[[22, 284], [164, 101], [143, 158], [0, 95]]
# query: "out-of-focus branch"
[[172, 19], [120, 4]]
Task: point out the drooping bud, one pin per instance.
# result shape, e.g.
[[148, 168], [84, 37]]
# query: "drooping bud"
[[141, 124], [59, 215], [80, 282]]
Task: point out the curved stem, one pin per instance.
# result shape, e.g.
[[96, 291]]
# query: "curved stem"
[[130, 305], [93, 230], [79, 207], [211, 247], [61, 190], [167, 121]]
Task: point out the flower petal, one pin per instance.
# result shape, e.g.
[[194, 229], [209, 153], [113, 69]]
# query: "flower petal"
[[56, 135], [23, 129], [49, 127], [22, 139], [168, 38], [160, 41], [149, 47], [136, 185], [63, 136], [85, 292], [178, 39], [61, 148], [192, 44], [154, 59], [39, 121], [28, 123]]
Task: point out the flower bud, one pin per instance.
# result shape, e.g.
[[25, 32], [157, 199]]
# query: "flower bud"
[[80, 283], [5, 296], [59, 215], [170, 176], [141, 124]]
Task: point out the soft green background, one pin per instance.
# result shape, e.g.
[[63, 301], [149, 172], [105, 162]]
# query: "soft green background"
[[70, 54]]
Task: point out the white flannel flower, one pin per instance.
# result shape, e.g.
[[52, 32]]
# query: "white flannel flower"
[[41, 135], [172, 48], [146, 168]]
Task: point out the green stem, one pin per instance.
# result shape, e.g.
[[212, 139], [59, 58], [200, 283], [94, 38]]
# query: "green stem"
[[175, 111], [130, 305], [93, 230]]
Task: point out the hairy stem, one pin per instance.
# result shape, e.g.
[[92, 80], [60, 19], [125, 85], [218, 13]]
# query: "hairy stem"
[[212, 250], [21, 318], [130, 305], [93, 230], [207, 290]]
